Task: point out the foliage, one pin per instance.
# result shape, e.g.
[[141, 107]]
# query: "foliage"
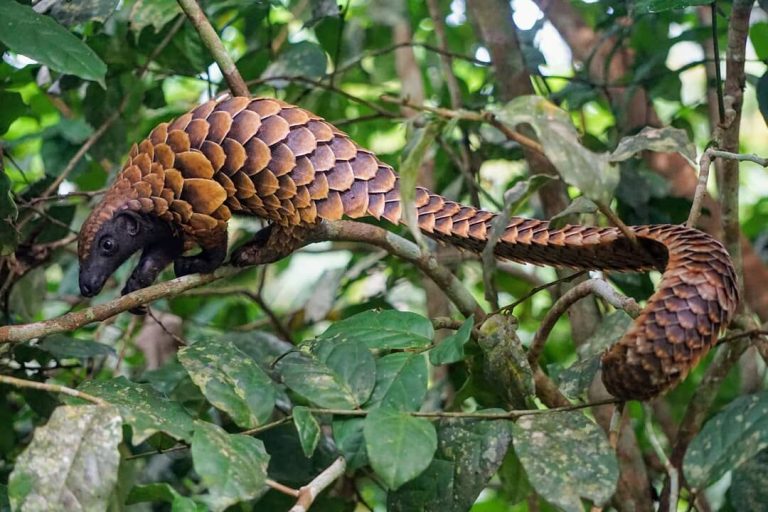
[[341, 350]]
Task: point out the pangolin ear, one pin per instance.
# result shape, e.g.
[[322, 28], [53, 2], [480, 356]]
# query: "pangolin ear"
[[130, 221]]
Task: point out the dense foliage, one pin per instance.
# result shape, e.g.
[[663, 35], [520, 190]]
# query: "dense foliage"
[[345, 358]]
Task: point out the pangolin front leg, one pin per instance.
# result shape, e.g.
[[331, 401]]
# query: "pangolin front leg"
[[212, 255]]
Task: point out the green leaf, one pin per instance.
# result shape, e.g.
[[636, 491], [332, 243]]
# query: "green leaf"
[[5, 504], [13, 108], [308, 429], [566, 457], [762, 96], [748, 490], [399, 446], [9, 237], [733, 436], [230, 380], [157, 13], [758, 35], [354, 363], [62, 347], [590, 172], [72, 13], [662, 140], [505, 364], [410, 169], [654, 6], [514, 482], [469, 453], [40, 38], [143, 408], [350, 441], [451, 349], [232, 466], [305, 59], [401, 382], [610, 330], [316, 382], [388, 329], [579, 205], [164, 493], [72, 461]]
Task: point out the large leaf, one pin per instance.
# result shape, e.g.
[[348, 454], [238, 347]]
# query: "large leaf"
[[232, 466], [230, 380], [40, 38], [61, 347], [469, 453], [71, 463], [592, 173], [748, 490], [305, 59], [384, 329], [354, 363], [71, 13], [143, 408], [399, 446], [401, 381], [731, 437], [566, 457]]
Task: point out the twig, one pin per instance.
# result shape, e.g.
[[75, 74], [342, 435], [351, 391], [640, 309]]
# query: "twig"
[[616, 221], [705, 162], [470, 115], [52, 388], [290, 491], [273, 318], [674, 477], [309, 492], [614, 427], [211, 41], [581, 290]]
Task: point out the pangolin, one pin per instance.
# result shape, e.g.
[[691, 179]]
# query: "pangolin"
[[264, 157]]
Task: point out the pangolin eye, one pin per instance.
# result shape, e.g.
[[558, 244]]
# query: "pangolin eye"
[[108, 245]]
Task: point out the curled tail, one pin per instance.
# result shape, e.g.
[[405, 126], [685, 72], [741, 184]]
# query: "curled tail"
[[264, 157]]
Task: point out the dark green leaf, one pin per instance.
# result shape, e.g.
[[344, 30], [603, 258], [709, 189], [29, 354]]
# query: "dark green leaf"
[[305, 59], [748, 490], [232, 466], [608, 332], [308, 429], [399, 446], [153, 12], [316, 382], [758, 35], [506, 365], [733, 436], [566, 457], [578, 206], [143, 408], [71, 462], [350, 441], [386, 329], [354, 363], [762, 96], [451, 349], [61, 347], [13, 108], [662, 140], [230, 380], [163, 492], [401, 382], [40, 38]]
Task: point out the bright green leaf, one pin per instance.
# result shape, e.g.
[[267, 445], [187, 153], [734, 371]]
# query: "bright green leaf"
[[566, 457], [399, 446], [40, 38], [232, 466], [71, 462], [230, 380], [387, 329]]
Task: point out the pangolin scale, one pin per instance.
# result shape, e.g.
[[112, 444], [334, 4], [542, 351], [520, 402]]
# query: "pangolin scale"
[[264, 157]]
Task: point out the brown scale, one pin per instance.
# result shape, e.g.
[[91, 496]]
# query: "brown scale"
[[266, 158]]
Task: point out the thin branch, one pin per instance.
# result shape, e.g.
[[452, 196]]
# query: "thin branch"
[[309, 492], [52, 388], [674, 475], [273, 318], [389, 49], [211, 41], [705, 162], [290, 491], [581, 290], [77, 319]]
